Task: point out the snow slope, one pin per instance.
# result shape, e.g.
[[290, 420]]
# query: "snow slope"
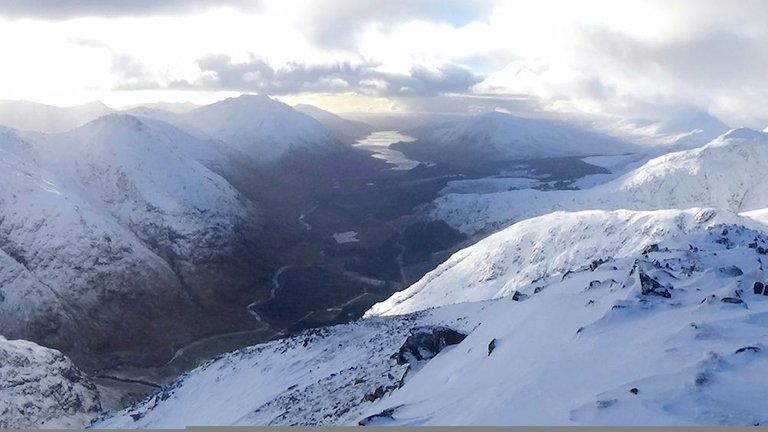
[[727, 173], [46, 118], [496, 136], [545, 246], [673, 335], [41, 388]]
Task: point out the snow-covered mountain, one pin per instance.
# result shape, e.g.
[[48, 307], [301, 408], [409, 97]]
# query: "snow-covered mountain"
[[41, 388], [150, 177], [259, 127], [726, 173], [32, 116], [496, 136], [345, 130], [69, 269], [104, 228], [673, 335]]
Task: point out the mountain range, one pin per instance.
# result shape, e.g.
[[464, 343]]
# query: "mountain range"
[[635, 298], [701, 177]]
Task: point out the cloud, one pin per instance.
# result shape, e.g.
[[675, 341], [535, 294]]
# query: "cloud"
[[635, 59], [338, 23], [652, 60], [219, 72], [66, 9]]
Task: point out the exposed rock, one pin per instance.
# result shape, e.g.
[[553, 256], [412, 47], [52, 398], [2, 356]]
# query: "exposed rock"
[[596, 263], [732, 271], [650, 286], [748, 348], [491, 346], [40, 387], [426, 342], [758, 287], [379, 393], [650, 248], [732, 300], [518, 296], [386, 414]]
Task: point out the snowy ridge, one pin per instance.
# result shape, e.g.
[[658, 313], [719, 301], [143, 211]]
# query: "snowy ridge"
[[727, 173], [688, 310], [545, 246], [41, 388]]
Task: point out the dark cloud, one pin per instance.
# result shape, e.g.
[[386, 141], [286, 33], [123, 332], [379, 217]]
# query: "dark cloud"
[[65, 9], [256, 75]]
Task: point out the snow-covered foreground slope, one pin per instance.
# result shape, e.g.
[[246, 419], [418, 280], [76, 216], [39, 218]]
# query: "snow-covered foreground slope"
[[727, 173], [496, 136], [545, 246], [672, 335], [41, 388]]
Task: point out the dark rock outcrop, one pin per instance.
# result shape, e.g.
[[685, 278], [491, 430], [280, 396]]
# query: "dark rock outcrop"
[[650, 286], [387, 414], [426, 342], [757, 288]]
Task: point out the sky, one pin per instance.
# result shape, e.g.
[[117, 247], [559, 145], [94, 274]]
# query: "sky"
[[626, 60]]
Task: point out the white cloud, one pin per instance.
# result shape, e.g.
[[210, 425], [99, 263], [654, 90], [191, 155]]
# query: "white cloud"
[[624, 59]]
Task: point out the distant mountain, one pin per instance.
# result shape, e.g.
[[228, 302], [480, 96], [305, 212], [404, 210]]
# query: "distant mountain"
[[262, 128], [495, 136], [346, 131], [668, 333], [46, 118], [41, 388], [174, 107], [254, 126], [727, 173]]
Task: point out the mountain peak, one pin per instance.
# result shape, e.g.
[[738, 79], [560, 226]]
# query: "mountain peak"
[[250, 100], [745, 133], [124, 122]]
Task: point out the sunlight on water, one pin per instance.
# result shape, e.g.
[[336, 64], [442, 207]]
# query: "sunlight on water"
[[379, 142]]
